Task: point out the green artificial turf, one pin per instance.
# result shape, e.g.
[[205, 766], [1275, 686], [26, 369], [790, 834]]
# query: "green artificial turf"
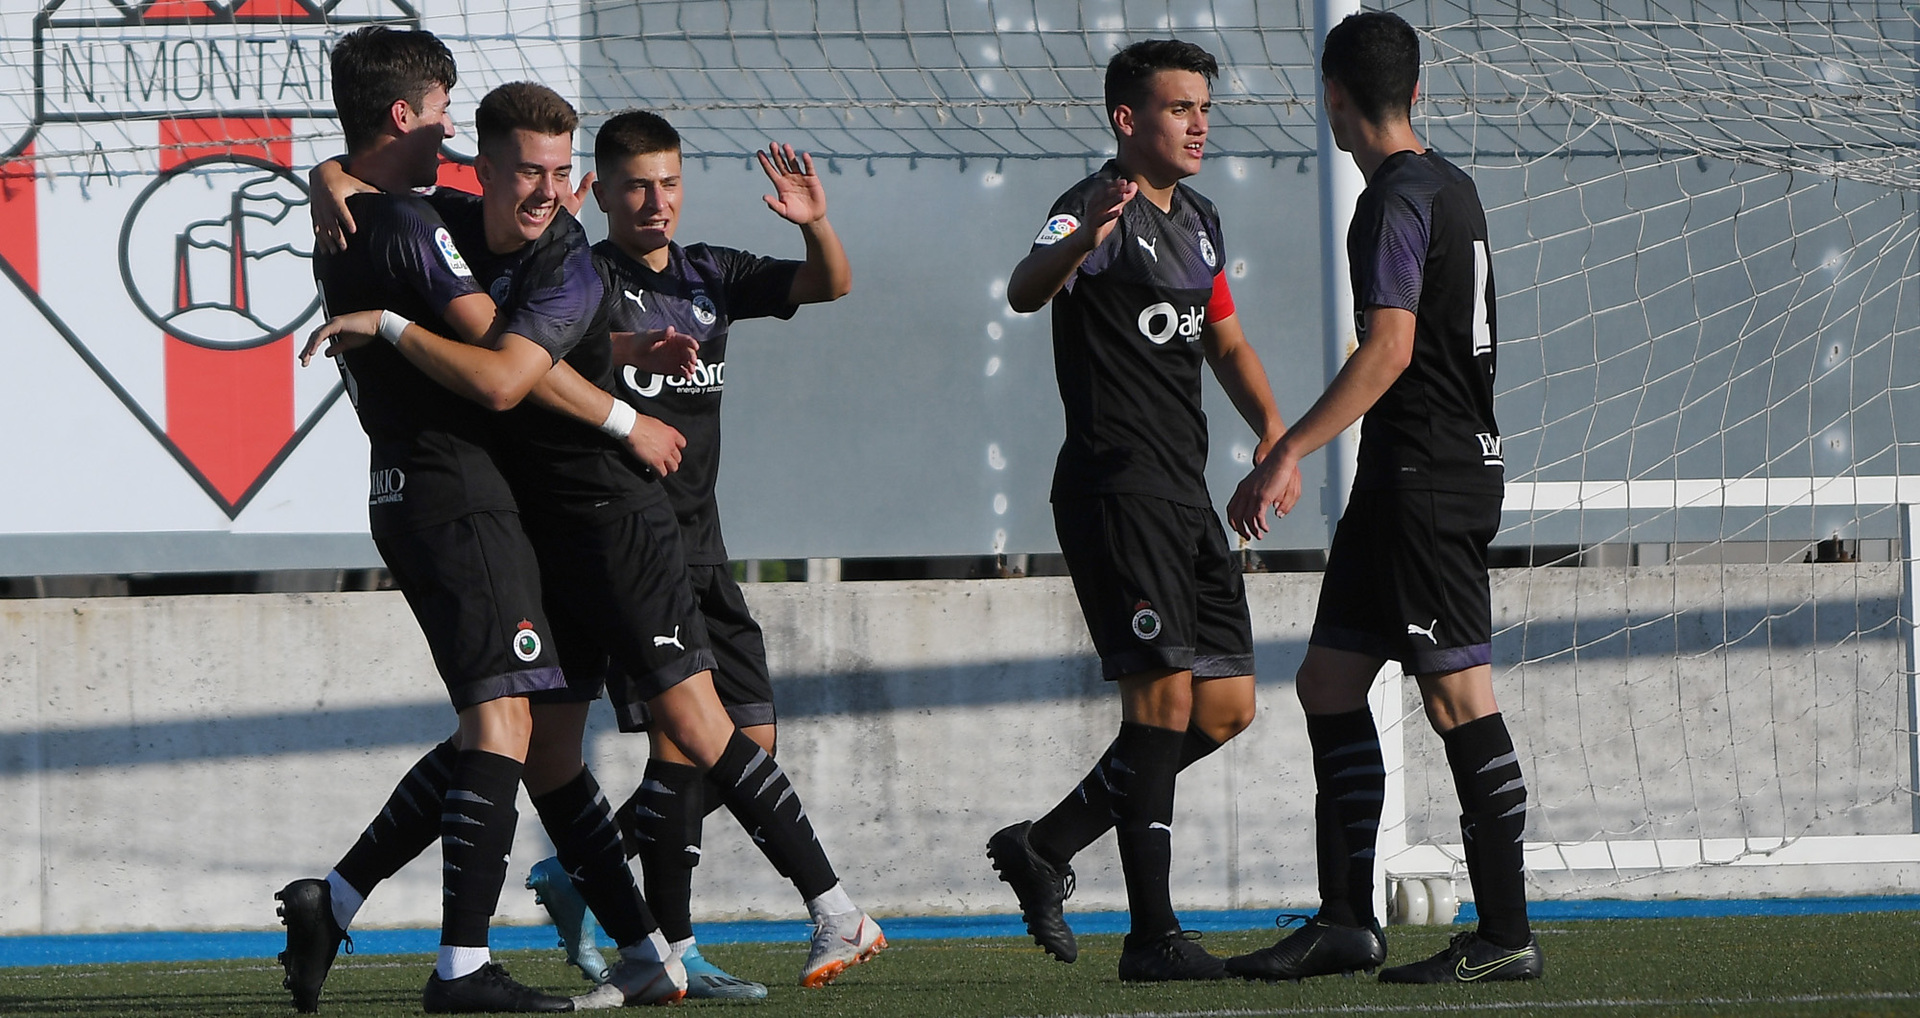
[[1863, 964]]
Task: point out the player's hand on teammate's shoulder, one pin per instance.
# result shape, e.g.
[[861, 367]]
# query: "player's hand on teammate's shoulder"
[[573, 202], [347, 332], [329, 185], [665, 351], [798, 195], [656, 444]]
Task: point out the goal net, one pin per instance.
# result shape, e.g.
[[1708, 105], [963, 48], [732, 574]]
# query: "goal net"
[[1706, 219]]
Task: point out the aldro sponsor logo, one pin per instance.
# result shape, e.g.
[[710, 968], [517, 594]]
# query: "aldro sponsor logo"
[[1161, 322], [704, 378], [386, 486]]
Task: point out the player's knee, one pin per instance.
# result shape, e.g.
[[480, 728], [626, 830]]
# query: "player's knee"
[[1223, 721]]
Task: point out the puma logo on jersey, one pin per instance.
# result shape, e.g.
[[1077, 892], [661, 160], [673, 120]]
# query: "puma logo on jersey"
[[1149, 245], [670, 641], [635, 298], [1412, 630]]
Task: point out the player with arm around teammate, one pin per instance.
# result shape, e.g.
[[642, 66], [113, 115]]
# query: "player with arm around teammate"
[[654, 287], [1426, 502], [447, 524], [611, 559], [1131, 260]]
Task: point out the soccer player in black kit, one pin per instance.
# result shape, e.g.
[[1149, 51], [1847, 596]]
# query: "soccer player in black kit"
[[1406, 578], [446, 523], [655, 286], [1131, 260], [607, 540]]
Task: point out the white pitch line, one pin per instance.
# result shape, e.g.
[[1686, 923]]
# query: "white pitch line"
[[1516, 1005]]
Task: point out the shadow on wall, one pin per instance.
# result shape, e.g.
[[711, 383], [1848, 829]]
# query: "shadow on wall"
[[875, 692]]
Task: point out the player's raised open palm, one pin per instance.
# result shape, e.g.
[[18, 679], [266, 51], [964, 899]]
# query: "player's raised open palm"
[[798, 196]]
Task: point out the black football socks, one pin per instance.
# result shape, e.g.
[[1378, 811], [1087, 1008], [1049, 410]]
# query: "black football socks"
[[407, 825], [476, 834], [1350, 781], [1493, 807], [756, 790], [1143, 764], [662, 825], [587, 843], [1087, 811]]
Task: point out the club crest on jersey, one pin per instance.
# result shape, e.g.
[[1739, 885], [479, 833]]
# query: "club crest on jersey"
[[1207, 253], [450, 254], [1058, 228], [1146, 621], [703, 309], [526, 642], [499, 287]]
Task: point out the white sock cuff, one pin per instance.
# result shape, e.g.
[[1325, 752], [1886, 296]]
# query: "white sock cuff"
[[680, 947], [833, 901], [653, 948], [456, 962], [346, 900]]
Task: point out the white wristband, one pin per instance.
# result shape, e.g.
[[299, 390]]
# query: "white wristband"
[[619, 422], [391, 326]]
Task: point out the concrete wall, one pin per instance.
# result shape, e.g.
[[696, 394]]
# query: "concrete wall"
[[168, 763]]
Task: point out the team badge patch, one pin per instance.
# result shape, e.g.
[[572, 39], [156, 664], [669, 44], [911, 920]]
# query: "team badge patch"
[[703, 308], [1207, 253], [526, 642], [450, 254], [1146, 621], [1058, 228]]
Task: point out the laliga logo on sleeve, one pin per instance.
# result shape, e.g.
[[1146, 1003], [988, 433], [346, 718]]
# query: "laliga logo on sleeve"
[[1058, 228], [450, 254], [526, 642]]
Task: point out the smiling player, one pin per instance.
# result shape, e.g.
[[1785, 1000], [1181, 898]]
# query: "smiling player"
[[1130, 258]]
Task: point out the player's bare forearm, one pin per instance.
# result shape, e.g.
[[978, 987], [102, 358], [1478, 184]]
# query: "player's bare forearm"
[[1044, 271], [1238, 367], [1366, 376], [564, 392], [497, 379], [826, 274]]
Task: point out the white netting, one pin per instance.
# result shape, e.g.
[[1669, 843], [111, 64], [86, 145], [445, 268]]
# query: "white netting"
[[1707, 228]]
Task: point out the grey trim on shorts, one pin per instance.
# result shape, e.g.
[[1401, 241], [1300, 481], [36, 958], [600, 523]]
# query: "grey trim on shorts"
[[1145, 659], [630, 711], [1442, 660], [744, 715], [496, 687], [1434, 661], [1222, 666]]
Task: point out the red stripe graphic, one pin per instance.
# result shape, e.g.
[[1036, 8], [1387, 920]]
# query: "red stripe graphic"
[[230, 412], [19, 229]]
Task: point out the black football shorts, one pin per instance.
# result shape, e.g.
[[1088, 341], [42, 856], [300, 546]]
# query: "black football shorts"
[[1157, 585], [1407, 580], [474, 587]]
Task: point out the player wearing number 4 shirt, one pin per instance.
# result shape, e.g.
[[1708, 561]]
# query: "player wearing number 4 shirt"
[[1131, 259], [1406, 577]]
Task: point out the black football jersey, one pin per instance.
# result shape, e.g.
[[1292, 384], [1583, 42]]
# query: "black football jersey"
[[1418, 241], [431, 456], [702, 291], [548, 291], [1126, 346]]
